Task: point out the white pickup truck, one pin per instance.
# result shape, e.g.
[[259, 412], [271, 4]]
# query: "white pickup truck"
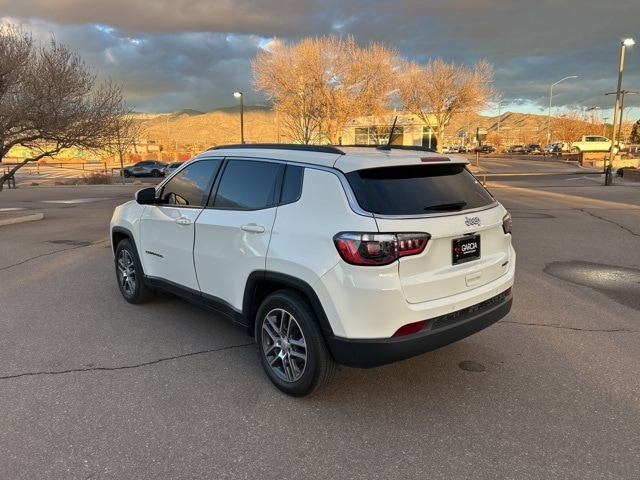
[[591, 143]]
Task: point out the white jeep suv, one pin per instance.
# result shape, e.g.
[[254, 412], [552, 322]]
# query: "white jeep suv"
[[328, 256]]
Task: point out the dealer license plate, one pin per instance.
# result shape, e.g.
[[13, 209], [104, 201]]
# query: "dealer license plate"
[[465, 249]]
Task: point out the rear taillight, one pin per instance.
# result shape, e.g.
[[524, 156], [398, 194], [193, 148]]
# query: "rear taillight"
[[378, 248], [507, 223]]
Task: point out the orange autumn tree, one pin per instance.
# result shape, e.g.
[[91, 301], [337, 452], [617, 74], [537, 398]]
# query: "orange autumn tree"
[[319, 84]]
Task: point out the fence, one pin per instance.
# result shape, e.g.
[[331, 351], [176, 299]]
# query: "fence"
[[9, 178]]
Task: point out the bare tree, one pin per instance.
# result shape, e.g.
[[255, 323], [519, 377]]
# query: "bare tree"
[[625, 131], [285, 74], [125, 131], [319, 84], [570, 126], [49, 100], [438, 90]]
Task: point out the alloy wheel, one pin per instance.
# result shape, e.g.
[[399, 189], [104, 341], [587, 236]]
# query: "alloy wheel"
[[127, 272], [284, 345]]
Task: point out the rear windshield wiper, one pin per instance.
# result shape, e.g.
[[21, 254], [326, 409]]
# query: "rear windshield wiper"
[[443, 207]]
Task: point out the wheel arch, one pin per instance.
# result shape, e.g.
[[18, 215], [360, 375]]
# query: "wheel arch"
[[120, 233], [261, 284]]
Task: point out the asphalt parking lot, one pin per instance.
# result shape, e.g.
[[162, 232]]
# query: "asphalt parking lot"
[[93, 387]]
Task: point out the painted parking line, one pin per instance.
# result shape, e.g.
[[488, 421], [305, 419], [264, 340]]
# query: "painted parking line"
[[76, 200]]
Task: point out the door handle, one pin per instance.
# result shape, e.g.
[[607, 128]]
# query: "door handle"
[[253, 228], [182, 221]]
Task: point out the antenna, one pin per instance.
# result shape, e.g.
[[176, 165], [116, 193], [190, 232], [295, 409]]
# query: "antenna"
[[388, 145]]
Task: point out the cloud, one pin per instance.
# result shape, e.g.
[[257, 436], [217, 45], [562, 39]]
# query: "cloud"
[[174, 54]]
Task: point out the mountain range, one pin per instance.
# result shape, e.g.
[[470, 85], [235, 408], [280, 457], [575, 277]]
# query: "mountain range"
[[195, 130]]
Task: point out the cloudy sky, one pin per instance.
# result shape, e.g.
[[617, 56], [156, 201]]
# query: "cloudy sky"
[[176, 54]]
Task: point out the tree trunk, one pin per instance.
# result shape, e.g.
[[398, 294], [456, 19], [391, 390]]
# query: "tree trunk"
[[7, 175]]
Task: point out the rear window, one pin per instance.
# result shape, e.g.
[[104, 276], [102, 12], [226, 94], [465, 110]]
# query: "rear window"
[[418, 189]]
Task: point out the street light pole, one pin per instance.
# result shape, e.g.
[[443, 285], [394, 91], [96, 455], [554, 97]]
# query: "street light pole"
[[241, 96], [626, 42], [550, 97], [499, 118]]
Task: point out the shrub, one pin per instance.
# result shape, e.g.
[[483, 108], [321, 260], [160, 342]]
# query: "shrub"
[[97, 178]]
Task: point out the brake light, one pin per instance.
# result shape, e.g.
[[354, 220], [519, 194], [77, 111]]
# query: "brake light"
[[507, 223], [434, 159], [375, 249]]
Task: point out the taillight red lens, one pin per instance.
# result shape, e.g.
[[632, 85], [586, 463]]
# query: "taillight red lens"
[[411, 243], [373, 249], [434, 159]]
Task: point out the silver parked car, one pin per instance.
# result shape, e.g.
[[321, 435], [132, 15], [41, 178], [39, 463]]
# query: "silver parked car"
[[146, 168], [171, 167]]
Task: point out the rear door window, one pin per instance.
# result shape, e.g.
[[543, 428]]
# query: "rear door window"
[[418, 189], [249, 185]]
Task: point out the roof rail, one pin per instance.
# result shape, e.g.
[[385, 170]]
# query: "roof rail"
[[282, 146]]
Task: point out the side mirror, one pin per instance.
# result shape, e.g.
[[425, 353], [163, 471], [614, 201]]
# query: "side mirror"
[[146, 196]]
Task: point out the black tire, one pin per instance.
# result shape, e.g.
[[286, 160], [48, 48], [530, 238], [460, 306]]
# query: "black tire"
[[291, 347], [130, 275], [155, 173], [575, 150], [127, 174]]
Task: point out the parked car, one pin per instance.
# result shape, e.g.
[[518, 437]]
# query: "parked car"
[[553, 148], [516, 149], [145, 168], [484, 149], [327, 256], [171, 167], [533, 149], [593, 143], [455, 149]]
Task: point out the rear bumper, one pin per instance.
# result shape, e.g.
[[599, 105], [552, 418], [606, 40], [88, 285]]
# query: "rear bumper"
[[437, 332]]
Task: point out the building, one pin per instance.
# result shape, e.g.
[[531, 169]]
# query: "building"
[[371, 130]]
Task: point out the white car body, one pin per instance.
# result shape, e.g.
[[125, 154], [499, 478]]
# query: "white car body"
[[592, 143], [220, 256]]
